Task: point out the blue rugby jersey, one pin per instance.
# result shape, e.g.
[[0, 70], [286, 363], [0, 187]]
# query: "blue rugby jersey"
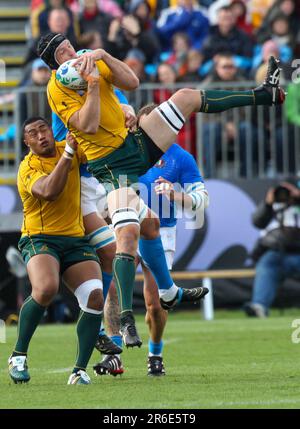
[[177, 166]]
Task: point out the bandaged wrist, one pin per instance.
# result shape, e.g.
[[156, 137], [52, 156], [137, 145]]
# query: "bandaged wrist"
[[67, 155], [92, 79], [69, 149]]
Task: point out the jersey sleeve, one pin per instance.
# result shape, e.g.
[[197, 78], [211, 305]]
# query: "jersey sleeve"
[[63, 101], [27, 176], [81, 155], [189, 171], [104, 71]]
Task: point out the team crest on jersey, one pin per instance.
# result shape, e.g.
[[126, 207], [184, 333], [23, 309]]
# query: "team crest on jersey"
[[160, 163]]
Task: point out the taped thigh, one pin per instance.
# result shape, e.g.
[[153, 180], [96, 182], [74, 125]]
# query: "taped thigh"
[[172, 116], [124, 216], [102, 237]]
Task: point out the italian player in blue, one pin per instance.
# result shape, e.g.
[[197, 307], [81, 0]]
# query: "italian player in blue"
[[178, 167]]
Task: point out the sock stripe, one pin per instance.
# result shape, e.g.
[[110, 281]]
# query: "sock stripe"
[[229, 96], [117, 283]]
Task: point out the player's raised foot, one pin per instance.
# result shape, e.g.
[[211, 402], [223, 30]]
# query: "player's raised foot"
[[185, 295], [271, 83], [79, 377], [156, 366], [106, 346], [110, 364], [128, 330], [18, 369]]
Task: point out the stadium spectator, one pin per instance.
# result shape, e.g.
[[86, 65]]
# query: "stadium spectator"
[[280, 7], [185, 17], [39, 18], [278, 250], [239, 10], [111, 7], [135, 59], [32, 102], [180, 49], [270, 47], [193, 62], [142, 11], [91, 40], [92, 18], [58, 22], [127, 34], [214, 9], [224, 131], [280, 32], [226, 37], [166, 75], [258, 9]]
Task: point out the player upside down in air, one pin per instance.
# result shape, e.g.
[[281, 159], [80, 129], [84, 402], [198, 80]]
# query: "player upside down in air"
[[116, 157]]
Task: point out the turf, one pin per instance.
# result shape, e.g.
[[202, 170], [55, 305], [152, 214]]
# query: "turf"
[[231, 362]]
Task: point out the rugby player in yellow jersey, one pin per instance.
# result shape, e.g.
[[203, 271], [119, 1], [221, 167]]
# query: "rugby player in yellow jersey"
[[53, 242], [117, 157]]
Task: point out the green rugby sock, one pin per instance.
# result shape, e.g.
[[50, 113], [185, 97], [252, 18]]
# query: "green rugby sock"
[[124, 274], [30, 316], [214, 101], [87, 332]]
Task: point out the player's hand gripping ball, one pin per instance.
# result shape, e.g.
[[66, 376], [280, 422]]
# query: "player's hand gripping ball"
[[68, 76]]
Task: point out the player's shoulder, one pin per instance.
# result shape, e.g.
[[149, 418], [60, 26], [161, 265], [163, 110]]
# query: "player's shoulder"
[[25, 166], [179, 153]]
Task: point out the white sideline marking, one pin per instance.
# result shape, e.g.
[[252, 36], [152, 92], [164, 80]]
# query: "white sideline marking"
[[173, 340], [60, 370]]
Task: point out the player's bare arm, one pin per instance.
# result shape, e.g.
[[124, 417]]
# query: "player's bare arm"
[[123, 76], [130, 116], [87, 118], [185, 199], [50, 187]]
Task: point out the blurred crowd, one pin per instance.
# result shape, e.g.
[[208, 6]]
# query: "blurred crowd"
[[186, 41], [185, 36]]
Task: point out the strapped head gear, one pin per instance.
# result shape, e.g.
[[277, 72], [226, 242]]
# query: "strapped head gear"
[[47, 46]]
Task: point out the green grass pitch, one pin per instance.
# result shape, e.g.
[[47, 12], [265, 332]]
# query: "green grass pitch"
[[231, 362]]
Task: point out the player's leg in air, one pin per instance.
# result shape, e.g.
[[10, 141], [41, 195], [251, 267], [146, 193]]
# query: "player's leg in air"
[[163, 124]]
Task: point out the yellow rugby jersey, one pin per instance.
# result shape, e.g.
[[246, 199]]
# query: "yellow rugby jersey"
[[112, 131], [60, 217]]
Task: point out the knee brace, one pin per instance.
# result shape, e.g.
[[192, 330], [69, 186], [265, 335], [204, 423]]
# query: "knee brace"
[[83, 292], [172, 116], [124, 216], [101, 237]]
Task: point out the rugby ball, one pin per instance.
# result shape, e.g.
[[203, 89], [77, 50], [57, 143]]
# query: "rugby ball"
[[68, 76]]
